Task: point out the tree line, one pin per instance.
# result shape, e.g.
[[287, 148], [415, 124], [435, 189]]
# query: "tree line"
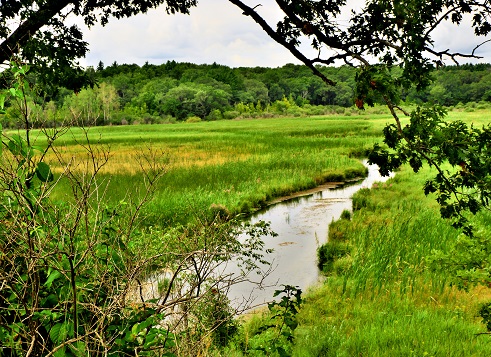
[[128, 93]]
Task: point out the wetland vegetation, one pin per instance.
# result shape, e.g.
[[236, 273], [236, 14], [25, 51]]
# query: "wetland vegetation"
[[386, 293], [236, 165]]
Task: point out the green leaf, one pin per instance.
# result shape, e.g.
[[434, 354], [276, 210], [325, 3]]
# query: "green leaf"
[[24, 69], [16, 93], [43, 172], [55, 274], [50, 301], [61, 352], [58, 332], [13, 147], [17, 145]]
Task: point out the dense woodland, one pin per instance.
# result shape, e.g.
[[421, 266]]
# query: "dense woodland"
[[130, 94]]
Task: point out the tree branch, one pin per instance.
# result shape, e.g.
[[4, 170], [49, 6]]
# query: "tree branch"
[[248, 11], [17, 39]]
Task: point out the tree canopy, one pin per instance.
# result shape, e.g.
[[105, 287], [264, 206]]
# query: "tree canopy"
[[43, 37], [381, 32]]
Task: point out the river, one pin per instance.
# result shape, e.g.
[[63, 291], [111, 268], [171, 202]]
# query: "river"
[[302, 224]]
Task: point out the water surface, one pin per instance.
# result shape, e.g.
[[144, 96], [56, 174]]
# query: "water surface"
[[302, 226]]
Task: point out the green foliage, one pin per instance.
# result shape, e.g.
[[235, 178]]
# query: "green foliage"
[[390, 301], [56, 294], [329, 252], [152, 94], [485, 313], [275, 334], [38, 34], [376, 84], [76, 274], [346, 214], [193, 120], [467, 261], [428, 138]]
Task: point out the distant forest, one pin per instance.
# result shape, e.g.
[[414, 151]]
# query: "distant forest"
[[130, 94]]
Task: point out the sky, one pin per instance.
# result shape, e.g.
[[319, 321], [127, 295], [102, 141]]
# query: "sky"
[[216, 31]]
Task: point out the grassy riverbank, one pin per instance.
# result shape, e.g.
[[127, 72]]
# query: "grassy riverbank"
[[239, 165], [385, 296]]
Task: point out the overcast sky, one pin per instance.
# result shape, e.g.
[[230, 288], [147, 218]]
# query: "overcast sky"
[[216, 31]]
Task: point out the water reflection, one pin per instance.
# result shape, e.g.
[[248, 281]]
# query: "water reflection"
[[302, 225]]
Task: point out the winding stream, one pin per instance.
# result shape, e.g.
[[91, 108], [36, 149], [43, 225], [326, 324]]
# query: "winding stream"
[[302, 226]]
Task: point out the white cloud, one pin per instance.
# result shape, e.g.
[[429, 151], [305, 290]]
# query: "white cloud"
[[461, 39], [216, 31]]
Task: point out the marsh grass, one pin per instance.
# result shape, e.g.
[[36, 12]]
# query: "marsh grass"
[[389, 324], [386, 300], [382, 299], [239, 165]]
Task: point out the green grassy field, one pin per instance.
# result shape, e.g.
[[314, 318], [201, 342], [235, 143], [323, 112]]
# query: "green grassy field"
[[239, 165], [383, 298], [386, 298]]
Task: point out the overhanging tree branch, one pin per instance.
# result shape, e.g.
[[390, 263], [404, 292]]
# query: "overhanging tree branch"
[[248, 11], [13, 44]]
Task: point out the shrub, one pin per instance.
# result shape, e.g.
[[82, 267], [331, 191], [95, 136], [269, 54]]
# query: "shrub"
[[193, 119], [215, 114], [339, 110], [230, 114]]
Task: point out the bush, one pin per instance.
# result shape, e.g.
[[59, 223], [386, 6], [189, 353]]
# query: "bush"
[[230, 114], [193, 119], [339, 110], [215, 114]]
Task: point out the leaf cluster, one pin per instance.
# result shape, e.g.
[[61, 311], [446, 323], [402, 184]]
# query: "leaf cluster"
[[465, 185]]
